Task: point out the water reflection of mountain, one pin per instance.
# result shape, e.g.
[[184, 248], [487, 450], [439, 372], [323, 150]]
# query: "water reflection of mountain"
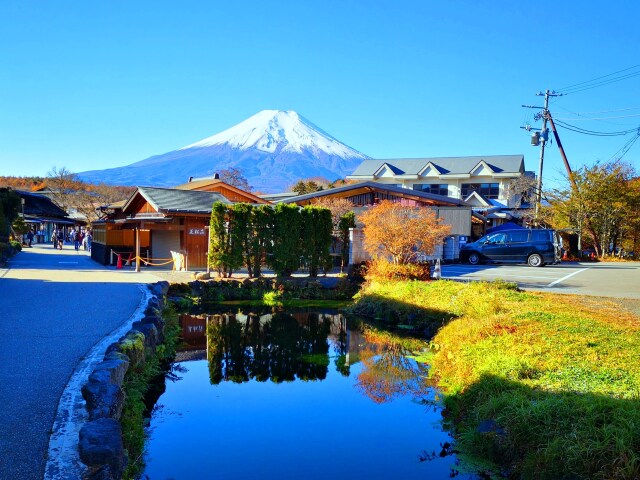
[[271, 346]]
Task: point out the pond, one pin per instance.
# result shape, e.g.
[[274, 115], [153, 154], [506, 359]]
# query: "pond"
[[290, 395]]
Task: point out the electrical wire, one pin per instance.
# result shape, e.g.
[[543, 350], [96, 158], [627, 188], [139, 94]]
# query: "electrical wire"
[[625, 148], [601, 81], [595, 133], [605, 111], [599, 118]]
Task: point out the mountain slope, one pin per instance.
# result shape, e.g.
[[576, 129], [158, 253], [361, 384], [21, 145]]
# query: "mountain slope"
[[273, 149]]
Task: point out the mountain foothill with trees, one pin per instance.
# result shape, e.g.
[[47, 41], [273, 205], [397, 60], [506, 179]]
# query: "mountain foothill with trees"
[[69, 192]]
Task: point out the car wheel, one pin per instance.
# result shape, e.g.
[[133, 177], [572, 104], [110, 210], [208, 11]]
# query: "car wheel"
[[474, 258], [535, 260]]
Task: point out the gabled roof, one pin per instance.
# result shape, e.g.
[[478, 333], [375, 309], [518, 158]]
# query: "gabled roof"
[[482, 165], [386, 166], [39, 205], [365, 187], [447, 165], [172, 200], [435, 167], [202, 184], [476, 199]]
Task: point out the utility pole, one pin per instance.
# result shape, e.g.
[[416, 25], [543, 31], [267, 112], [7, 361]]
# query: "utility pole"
[[541, 138], [542, 144]]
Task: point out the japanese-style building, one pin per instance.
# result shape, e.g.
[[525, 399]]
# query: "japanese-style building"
[[163, 222], [43, 215], [465, 222]]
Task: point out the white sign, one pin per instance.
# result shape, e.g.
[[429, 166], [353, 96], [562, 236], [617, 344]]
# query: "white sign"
[[196, 231]]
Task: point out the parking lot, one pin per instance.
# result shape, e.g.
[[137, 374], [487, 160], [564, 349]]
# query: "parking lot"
[[608, 279]]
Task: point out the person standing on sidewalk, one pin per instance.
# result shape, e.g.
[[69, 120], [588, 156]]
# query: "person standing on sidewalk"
[[77, 237]]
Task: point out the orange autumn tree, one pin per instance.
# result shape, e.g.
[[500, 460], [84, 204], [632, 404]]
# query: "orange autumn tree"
[[400, 233]]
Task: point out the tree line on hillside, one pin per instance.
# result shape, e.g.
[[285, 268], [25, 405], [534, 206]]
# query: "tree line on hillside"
[[69, 192]]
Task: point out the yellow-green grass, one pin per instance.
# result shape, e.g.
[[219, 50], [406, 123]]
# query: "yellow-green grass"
[[544, 386]]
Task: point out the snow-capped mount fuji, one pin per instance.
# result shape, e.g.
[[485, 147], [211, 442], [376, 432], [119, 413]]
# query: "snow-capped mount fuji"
[[273, 149]]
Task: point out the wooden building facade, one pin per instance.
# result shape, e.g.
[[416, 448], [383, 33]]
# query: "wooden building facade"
[[164, 222]]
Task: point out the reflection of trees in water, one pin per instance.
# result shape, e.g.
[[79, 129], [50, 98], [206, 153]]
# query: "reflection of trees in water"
[[280, 348], [387, 372]]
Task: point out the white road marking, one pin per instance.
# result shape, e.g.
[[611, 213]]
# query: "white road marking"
[[566, 276], [497, 275]]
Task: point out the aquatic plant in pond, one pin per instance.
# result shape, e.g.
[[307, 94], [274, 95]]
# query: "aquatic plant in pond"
[[296, 395]]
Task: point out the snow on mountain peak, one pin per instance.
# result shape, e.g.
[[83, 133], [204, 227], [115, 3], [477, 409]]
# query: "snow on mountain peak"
[[278, 130]]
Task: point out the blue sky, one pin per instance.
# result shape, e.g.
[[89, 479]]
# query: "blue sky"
[[91, 85]]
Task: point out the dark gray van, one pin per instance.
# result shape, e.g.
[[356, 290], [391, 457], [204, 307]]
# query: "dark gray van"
[[535, 247]]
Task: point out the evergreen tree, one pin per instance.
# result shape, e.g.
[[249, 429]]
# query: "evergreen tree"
[[242, 233], [262, 219], [317, 226], [286, 242], [219, 244]]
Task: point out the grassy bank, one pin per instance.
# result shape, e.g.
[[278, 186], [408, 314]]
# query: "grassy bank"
[[138, 381], [543, 386]]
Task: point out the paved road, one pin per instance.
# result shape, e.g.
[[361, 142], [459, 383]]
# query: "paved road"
[[55, 306], [606, 279]]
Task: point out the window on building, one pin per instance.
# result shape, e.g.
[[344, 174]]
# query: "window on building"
[[433, 188], [487, 190]]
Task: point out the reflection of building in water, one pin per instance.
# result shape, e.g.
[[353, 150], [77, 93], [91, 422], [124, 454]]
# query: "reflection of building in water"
[[193, 332]]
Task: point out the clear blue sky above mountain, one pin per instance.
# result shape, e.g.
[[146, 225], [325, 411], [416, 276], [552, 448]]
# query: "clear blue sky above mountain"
[[91, 85]]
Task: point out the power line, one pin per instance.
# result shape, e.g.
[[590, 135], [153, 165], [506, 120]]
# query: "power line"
[[600, 118], [603, 83], [604, 111], [625, 148], [584, 131], [576, 87]]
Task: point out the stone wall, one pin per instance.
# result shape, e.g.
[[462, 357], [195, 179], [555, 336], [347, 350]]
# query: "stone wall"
[[101, 447]]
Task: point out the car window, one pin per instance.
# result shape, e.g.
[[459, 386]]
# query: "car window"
[[518, 236], [498, 238], [540, 236]]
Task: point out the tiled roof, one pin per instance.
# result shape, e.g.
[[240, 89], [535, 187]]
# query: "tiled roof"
[[40, 205], [168, 200], [446, 165]]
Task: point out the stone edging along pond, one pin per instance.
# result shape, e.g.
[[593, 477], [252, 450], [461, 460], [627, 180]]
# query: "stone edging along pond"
[[101, 446]]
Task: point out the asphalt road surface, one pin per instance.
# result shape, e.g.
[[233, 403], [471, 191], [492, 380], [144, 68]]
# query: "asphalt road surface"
[[605, 279], [55, 306]]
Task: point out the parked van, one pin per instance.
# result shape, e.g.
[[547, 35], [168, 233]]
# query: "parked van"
[[535, 247]]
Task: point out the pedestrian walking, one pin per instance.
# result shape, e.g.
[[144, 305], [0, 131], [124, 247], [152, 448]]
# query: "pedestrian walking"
[[77, 238], [30, 238]]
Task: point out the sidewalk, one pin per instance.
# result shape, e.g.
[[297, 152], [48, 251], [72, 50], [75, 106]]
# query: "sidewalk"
[[55, 306]]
